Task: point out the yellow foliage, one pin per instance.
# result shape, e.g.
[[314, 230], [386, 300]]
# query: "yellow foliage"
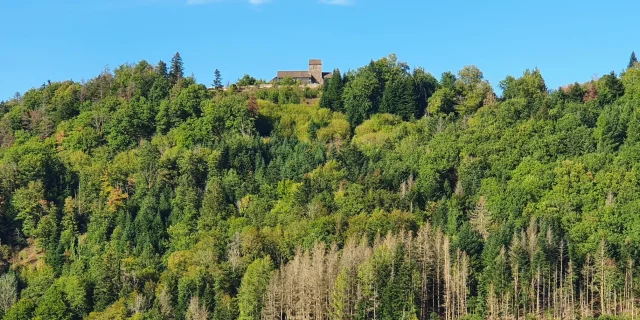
[[375, 131], [338, 129], [179, 261], [116, 311], [115, 199], [330, 170], [295, 119]]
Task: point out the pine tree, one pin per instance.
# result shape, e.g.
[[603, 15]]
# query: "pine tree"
[[161, 69], [177, 71], [448, 80], [163, 118], [339, 296], [407, 107], [398, 98], [632, 60], [253, 287], [217, 82], [633, 131], [609, 89], [424, 85], [52, 305], [332, 92], [325, 99]]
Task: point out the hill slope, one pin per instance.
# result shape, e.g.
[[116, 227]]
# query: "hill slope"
[[142, 194]]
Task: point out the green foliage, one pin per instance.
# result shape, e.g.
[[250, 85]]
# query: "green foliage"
[[611, 127], [424, 85], [530, 87], [609, 89], [398, 98], [217, 80], [141, 194], [631, 81], [442, 102], [362, 96], [52, 305], [8, 291], [65, 102], [632, 60], [474, 90], [246, 80], [177, 69], [22, 310], [31, 206], [287, 81], [253, 288], [448, 80], [332, 92]]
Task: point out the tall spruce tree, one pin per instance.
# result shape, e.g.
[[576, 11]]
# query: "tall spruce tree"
[[448, 80], [217, 81], [253, 287], [632, 60], [609, 88], [177, 71], [332, 92], [424, 85], [161, 69], [399, 98]]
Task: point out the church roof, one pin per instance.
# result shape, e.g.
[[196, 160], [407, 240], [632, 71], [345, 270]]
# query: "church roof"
[[293, 74]]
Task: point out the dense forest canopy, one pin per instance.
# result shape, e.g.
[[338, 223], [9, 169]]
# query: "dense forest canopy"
[[386, 194]]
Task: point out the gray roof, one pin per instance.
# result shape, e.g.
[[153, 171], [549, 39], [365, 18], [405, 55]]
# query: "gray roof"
[[293, 74]]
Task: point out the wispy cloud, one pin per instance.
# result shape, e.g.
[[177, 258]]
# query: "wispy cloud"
[[201, 2], [338, 2]]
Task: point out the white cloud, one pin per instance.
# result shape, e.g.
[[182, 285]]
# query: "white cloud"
[[200, 2], [338, 2]]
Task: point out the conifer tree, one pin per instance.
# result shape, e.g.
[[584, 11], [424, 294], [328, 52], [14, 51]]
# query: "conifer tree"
[[609, 89], [332, 92], [398, 98], [339, 296], [632, 60], [161, 69], [253, 287], [177, 70], [217, 81], [424, 85], [406, 107], [448, 80], [325, 98]]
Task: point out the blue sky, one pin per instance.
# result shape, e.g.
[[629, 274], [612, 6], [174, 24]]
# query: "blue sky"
[[75, 39]]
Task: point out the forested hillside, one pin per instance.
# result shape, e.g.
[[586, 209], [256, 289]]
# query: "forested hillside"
[[386, 194]]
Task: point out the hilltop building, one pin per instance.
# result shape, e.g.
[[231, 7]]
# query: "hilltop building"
[[313, 76]]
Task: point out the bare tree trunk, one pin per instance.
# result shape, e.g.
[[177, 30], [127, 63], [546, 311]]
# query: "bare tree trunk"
[[447, 280], [538, 292], [562, 293]]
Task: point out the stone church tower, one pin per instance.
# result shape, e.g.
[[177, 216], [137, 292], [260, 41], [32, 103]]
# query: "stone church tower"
[[315, 70], [313, 76]]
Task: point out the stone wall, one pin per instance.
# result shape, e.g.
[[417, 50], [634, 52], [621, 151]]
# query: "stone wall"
[[269, 85], [315, 69]]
